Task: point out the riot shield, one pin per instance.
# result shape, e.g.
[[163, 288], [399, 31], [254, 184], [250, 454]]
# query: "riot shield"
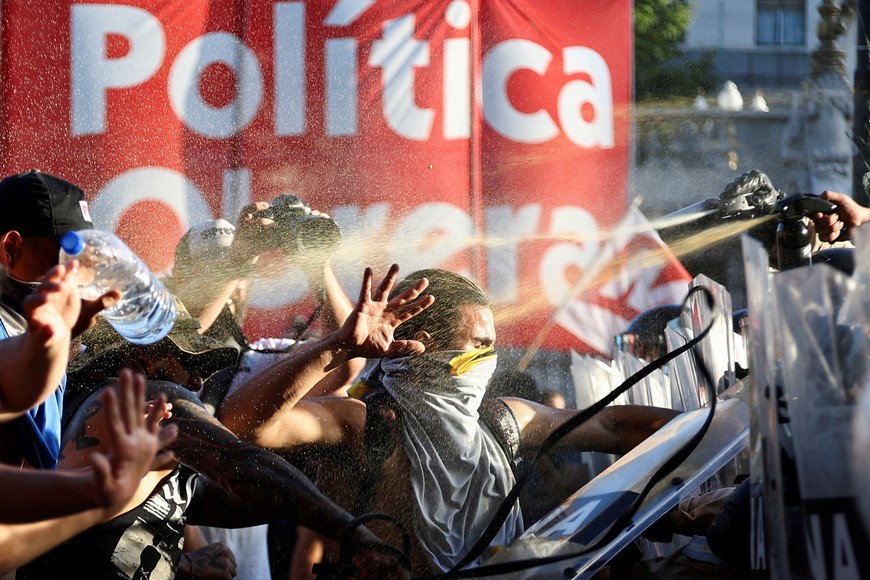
[[582, 519]]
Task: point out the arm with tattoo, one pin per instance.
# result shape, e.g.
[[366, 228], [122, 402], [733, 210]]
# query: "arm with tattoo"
[[131, 440]]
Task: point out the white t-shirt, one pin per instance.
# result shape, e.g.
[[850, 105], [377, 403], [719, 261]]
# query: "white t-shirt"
[[259, 358], [248, 545]]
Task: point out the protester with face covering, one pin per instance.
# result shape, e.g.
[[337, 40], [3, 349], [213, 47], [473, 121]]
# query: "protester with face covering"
[[447, 473]]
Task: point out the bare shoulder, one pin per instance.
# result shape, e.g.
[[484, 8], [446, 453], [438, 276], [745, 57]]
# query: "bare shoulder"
[[348, 411], [523, 410], [344, 417]]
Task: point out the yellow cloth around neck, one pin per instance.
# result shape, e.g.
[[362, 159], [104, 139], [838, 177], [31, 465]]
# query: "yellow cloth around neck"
[[461, 364]]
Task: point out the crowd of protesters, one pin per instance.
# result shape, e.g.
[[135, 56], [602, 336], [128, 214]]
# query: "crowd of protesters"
[[170, 459]]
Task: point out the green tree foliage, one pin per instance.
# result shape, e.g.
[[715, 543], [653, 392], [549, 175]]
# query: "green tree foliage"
[[660, 67]]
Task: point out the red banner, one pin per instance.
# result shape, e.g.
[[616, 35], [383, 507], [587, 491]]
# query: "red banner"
[[484, 136]]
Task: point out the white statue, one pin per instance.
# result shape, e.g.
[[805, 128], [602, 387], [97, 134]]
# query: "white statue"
[[729, 98], [758, 102]]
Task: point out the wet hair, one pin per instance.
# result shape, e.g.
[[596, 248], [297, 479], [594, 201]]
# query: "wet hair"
[[451, 291]]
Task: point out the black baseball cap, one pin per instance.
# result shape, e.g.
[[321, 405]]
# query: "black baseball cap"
[[38, 204]]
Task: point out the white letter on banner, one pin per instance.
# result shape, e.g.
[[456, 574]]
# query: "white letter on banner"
[[504, 231], [93, 74], [361, 229], [499, 64], [342, 70], [430, 234], [159, 183], [282, 284], [397, 52], [598, 93], [341, 87], [457, 74], [235, 192], [184, 76], [289, 19]]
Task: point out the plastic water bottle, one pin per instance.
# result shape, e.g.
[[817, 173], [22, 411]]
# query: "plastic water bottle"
[[146, 311]]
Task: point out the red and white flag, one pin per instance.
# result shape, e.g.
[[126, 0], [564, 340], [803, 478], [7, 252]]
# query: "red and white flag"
[[634, 272]]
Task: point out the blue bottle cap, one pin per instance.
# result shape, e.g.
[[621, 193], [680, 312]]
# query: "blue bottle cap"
[[72, 243]]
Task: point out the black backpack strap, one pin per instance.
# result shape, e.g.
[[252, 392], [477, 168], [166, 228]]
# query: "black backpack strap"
[[498, 418], [380, 439]]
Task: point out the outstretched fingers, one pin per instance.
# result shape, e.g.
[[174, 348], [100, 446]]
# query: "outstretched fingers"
[[52, 309], [405, 347], [365, 291], [411, 309], [157, 411], [130, 417], [411, 293], [409, 304], [386, 284]]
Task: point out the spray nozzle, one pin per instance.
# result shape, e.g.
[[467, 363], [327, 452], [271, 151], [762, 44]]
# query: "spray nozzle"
[[749, 196], [801, 205]]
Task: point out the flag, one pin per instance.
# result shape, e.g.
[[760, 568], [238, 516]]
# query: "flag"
[[634, 272]]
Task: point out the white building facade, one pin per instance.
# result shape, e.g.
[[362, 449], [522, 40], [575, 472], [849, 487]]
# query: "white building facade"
[[762, 44]]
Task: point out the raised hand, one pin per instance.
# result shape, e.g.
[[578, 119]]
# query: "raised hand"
[[53, 308], [368, 331], [135, 439], [91, 308], [253, 233], [34, 362]]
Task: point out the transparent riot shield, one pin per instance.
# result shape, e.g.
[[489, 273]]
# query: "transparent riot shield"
[[768, 540], [586, 516], [594, 379], [685, 381], [809, 367], [718, 348], [860, 452]]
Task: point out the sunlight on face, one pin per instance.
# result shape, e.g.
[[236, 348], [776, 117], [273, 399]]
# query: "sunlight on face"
[[475, 329]]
